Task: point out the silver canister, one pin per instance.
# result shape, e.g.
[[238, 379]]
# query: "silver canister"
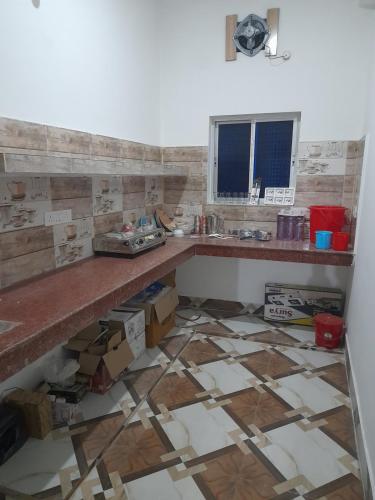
[[196, 227], [211, 224]]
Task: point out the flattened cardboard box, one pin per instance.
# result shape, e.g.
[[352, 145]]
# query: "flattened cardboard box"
[[299, 304]]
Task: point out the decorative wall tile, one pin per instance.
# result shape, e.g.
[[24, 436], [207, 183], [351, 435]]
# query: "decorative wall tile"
[[37, 164], [186, 154], [107, 194], [154, 191], [79, 229], [16, 243], [20, 134], [80, 207], [191, 168], [184, 197], [133, 150], [323, 166], [26, 266], [68, 141], [106, 146], [133, 215], [152, 153], [133, 200], [73, 251], [15, 189], [322, 149], [320, 198], [106, 223], [320, 183], [70, 187], [22, 215], [190, 183], [356, 149], [133, 184]]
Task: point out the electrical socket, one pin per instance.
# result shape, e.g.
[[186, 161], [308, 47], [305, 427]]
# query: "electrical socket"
[[57, 217]]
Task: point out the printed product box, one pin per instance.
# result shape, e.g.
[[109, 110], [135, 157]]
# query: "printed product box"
[[133, 320], [299, 304]]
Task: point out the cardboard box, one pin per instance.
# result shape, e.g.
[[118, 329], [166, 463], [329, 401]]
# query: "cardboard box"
[[299, 304], [133, 320], [159, 314], [103, 355], [36, 409]]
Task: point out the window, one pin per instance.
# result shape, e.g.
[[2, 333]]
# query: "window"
[[245, 149]]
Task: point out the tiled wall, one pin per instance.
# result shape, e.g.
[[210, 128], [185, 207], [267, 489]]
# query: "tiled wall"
[[98, 203], [328, 173]]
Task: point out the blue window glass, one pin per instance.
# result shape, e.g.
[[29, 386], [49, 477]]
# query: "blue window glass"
[[234, 158], [272, 154]]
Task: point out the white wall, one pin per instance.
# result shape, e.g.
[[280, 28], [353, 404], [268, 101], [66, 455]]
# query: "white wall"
[[243, 280], [89, 65], [360, 317], [325, 79]]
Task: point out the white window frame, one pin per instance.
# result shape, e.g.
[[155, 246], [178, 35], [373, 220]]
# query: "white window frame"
[[215, 121]]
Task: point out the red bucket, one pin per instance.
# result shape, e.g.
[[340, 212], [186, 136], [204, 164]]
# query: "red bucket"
[[326, 218], [329, 330]]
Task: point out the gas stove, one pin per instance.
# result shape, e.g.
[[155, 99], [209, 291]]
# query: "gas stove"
[[128, 244]]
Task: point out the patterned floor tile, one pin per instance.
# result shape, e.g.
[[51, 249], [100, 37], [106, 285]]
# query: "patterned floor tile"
[[264, 410], [314, 393], [171, 346], [223, 376], [312, 359], [137, 451], [243, 413], [336, 375], [204, 430], [287, 451], [117, 399], [269, 363], [237, 346], [215, 329], [174, 390], [200, 351], [41, 465], [339, 427], [272, 337], [140, 383], [345, 488], [192, 317], [223, 305], [244, 325], [235, 476], [161, 486], [96, 436]]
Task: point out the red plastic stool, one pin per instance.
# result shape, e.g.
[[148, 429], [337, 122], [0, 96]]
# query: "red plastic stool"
[[329, 330]]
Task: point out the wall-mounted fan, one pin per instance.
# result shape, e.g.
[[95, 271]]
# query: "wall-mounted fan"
[[251, 35]]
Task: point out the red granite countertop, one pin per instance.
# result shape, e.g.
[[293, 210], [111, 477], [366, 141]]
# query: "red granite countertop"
[[52, 308]]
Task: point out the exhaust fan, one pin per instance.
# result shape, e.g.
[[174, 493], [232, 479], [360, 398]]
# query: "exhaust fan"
[[251, 35]]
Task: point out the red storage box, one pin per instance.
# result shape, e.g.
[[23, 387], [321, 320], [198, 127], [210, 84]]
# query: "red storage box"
[[326, 218], [329, 330]]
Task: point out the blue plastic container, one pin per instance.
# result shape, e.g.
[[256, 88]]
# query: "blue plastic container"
[[323, 240]]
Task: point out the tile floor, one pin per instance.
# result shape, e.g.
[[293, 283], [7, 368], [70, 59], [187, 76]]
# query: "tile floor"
[[227, 407]]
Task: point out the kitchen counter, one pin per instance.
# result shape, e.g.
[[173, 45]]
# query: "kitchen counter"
[[52, 308]]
